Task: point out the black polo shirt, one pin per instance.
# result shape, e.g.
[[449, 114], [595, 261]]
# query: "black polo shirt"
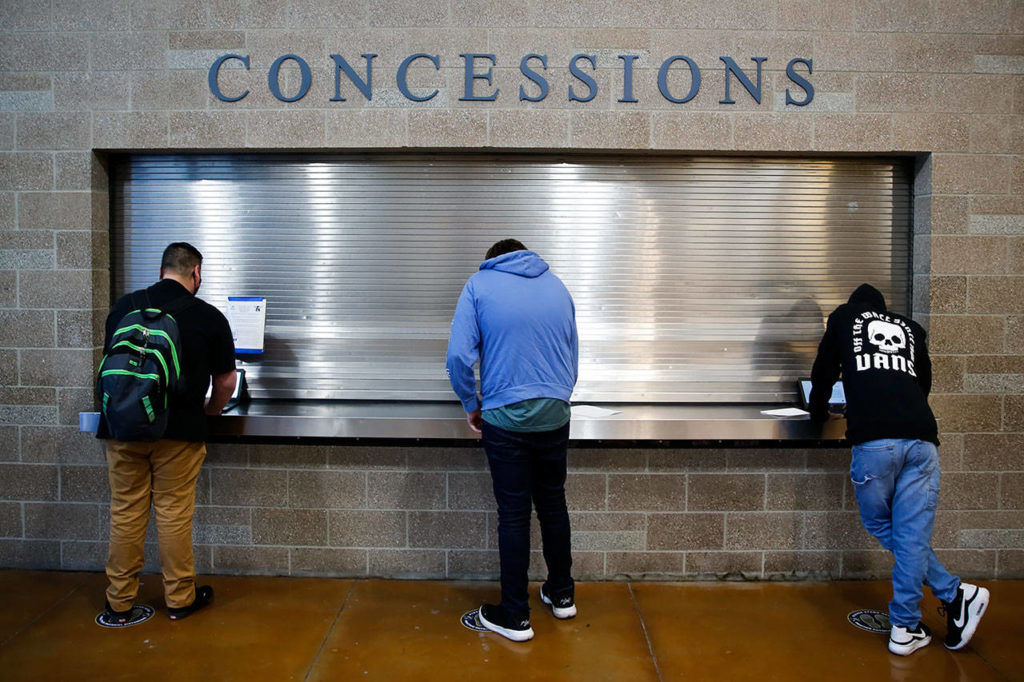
[[207, 349]]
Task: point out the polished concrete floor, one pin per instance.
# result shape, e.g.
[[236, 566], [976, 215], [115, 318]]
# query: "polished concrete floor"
[[330, 629]]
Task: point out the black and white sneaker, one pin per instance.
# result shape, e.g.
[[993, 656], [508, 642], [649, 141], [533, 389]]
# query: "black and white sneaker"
[[963, 614], [496, 619], [904, 641], [563, 606]]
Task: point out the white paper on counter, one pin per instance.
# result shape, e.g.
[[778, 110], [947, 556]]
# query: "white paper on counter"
[[786, 412], [591, 411]]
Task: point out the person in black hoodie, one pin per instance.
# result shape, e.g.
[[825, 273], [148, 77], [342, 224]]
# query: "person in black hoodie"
[[883, 360]]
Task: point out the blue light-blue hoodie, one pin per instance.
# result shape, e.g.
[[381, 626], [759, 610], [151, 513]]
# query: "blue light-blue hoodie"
[[519, 320]]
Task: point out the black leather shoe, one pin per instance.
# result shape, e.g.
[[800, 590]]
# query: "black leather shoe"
[[204, 595]]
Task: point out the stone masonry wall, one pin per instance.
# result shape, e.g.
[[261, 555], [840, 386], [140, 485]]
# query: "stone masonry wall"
[[937, 79]]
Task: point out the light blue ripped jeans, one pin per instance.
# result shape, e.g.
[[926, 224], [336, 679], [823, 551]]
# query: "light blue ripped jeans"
[[897, 486]]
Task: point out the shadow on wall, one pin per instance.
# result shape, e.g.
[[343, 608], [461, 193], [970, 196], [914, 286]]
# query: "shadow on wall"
[[785, 344]]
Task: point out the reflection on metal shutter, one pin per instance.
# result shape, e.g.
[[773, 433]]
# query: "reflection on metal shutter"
[[695, 278]]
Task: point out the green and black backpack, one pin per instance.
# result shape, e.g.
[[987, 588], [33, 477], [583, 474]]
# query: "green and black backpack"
[[141, 370]]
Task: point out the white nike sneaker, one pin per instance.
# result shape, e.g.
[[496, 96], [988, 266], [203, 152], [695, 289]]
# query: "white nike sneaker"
[[904, 641], [964, 613]]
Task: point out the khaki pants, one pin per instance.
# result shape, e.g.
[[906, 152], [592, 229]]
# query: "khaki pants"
[[164, 472]]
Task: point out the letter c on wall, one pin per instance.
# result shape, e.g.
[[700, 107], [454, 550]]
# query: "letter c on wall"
[[215, 71], [403, 70]]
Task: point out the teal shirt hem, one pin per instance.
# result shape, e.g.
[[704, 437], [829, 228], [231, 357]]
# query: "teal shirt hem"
[[535, 414]]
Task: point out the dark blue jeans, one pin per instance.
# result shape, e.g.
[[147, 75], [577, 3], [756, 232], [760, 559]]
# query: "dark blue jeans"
[[529, 467]]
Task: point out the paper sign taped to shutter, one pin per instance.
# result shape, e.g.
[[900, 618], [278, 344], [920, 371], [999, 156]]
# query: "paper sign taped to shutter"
[[248, 318]]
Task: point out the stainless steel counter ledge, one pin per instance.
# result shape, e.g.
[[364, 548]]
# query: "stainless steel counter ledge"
[[446, 421]]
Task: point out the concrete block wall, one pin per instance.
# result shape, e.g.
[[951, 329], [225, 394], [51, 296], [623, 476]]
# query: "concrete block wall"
[[938, 80], [428, 512]]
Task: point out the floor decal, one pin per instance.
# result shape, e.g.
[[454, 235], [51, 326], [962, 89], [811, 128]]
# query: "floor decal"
[[872, 621], [471, 620]]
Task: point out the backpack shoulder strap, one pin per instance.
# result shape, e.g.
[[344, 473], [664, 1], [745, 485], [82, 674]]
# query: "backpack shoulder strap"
[[140, 301]]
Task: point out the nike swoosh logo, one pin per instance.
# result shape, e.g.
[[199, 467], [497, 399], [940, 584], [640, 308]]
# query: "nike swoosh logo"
[[959, 622]]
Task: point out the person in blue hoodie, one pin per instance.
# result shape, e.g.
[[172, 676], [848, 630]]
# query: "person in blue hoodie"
[[518, 319]]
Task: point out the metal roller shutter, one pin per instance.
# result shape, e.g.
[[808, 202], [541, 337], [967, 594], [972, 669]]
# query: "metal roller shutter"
[[695, 278]]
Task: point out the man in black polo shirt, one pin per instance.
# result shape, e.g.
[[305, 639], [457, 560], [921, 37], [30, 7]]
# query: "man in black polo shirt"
[[165, 471]]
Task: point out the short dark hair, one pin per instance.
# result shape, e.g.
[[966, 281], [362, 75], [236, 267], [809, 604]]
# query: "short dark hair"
[[503, 247], [180, 258]]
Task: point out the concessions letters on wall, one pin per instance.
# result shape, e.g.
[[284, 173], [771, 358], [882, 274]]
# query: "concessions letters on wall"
[[478, 82]]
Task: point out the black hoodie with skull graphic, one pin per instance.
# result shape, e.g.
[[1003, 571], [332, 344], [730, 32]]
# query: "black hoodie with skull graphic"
[[883, 360]]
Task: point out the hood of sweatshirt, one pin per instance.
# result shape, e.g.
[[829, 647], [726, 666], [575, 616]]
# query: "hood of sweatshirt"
[[868, 296], [522, 263]]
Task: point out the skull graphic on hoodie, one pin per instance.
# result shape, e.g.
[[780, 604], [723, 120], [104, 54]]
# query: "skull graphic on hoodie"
[[881, 341]]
